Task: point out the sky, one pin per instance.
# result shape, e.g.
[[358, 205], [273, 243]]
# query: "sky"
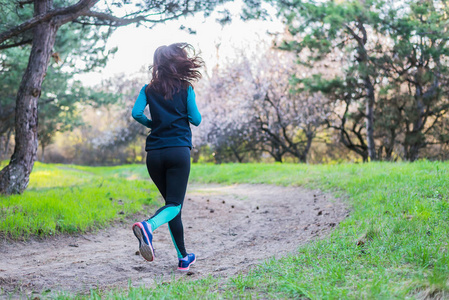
[[137, 45]]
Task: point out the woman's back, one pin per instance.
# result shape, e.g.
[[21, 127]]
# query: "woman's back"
[[170, 126]]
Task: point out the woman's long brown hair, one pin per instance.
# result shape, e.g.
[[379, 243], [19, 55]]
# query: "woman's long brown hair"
[[173, 69]]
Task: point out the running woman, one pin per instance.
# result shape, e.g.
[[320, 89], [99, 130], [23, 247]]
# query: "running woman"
[[172, 105]]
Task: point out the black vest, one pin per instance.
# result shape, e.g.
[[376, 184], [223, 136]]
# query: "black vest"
[[170, 123]]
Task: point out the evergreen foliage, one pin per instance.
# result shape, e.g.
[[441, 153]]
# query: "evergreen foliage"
[[393, 81]]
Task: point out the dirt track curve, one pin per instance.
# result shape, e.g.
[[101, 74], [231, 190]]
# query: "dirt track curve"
[[229, 228]]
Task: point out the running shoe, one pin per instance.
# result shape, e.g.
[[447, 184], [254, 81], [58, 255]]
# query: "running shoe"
[[186, 262], [143, 232]]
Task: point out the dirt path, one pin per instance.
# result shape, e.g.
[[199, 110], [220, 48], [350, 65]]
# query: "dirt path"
[[229, 228]]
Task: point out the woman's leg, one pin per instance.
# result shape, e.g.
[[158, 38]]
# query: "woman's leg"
[[169, 168], [177, 235], [155, 167], [143, 230]]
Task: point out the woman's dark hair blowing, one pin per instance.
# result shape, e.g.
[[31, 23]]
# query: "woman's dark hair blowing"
[[173, 69]]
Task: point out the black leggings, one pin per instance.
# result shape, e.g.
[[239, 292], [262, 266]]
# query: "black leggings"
[[169, 169]]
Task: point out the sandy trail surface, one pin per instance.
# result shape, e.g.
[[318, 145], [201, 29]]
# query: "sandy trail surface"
[[229, 228]]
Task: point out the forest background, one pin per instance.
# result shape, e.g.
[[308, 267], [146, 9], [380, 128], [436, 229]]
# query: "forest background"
[[340, 81]]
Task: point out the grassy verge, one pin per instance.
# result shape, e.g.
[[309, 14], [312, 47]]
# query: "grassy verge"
[[67, 199], [393, 245]]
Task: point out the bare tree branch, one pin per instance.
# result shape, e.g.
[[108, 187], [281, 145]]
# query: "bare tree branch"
[[82, 9], [68, 12], [23, 42], [22, 3], [109, 20], [112, 20]]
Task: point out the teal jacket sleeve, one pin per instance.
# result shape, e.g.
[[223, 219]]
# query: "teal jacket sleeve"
[[192, 110], [139, 107]]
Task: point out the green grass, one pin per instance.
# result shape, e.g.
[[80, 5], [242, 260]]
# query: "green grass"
[[68, 199], [400, 215], [394, 244]]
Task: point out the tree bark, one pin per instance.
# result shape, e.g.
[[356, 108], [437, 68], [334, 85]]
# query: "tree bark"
[[414, 139], [276, 151], [370, 120], [303, 156], [45, 24], [43, 153], [4, 144], [368, 84], [14, 178], [236, 154]]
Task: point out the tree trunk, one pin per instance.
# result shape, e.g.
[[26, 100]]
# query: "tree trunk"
[[369, 111], [303, 157], [236, 154], [414, 153], [415, 139], [276, 152], [195, 155], [5, 144], [43, 153], [8, 139], [2, 142], [277, 157], [217, 156], [390, 145], [2, 147], [14, 178]]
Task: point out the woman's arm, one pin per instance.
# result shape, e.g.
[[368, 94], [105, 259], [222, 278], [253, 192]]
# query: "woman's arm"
[[139, 107], [192, 110]]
